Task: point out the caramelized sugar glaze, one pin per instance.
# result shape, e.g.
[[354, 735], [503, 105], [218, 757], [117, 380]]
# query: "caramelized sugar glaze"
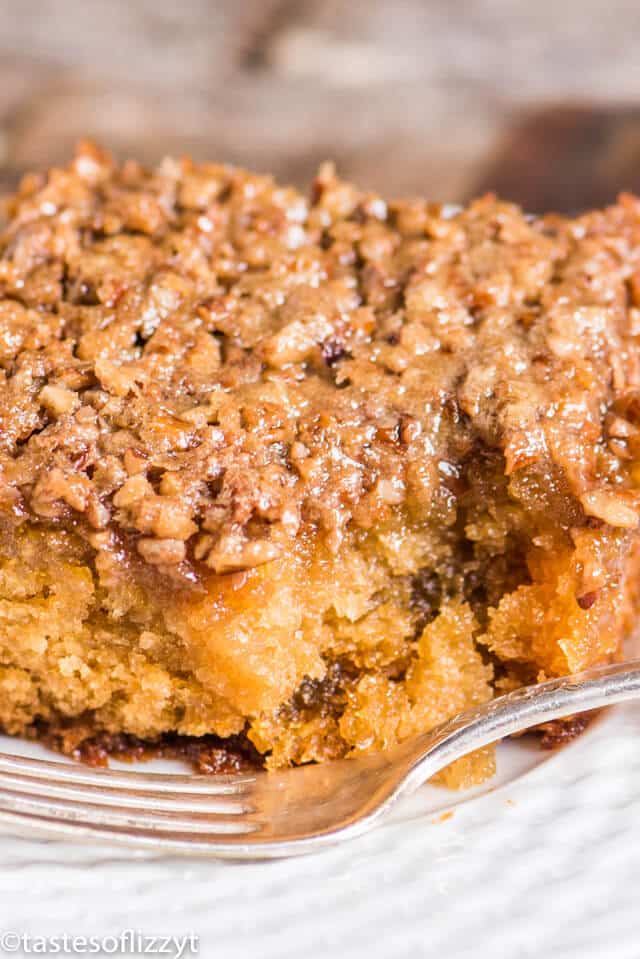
[[305, 474]]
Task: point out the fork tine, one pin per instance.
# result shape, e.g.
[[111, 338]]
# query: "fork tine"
[[230, 803], [238, 845], [49, 771], [125, 817]]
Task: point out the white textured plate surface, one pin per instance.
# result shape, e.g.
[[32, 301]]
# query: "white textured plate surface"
[[545, 866]]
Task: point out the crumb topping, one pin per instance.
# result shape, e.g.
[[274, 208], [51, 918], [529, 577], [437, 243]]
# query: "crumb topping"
[[196, 363]]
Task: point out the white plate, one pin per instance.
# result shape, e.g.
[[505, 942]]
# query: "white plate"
[[546, 865]]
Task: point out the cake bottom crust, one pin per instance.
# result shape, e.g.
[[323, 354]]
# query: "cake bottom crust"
[[211, 755]]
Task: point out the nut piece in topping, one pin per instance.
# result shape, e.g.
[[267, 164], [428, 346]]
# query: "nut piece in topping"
[[161, 552], [232, 554], [58, 400], [610, 507]]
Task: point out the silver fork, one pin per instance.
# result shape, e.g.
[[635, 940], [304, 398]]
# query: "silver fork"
[[265, 815]]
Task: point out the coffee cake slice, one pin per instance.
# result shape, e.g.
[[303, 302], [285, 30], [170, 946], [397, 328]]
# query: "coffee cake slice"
[[305, 473]]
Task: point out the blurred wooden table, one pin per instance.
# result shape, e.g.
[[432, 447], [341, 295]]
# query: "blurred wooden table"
[[538, 100]]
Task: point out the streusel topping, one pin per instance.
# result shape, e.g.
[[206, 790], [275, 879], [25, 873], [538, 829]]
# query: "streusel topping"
[[198, 364]]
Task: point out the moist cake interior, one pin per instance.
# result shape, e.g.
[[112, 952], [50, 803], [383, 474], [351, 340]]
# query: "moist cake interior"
[[305, 473]]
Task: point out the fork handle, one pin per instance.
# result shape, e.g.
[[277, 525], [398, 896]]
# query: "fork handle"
[[516, 712]]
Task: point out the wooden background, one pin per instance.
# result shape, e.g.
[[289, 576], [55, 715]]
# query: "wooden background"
[[539, 99]]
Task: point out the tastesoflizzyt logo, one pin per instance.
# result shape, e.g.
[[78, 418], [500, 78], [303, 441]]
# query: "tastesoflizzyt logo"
[[129, 942]]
